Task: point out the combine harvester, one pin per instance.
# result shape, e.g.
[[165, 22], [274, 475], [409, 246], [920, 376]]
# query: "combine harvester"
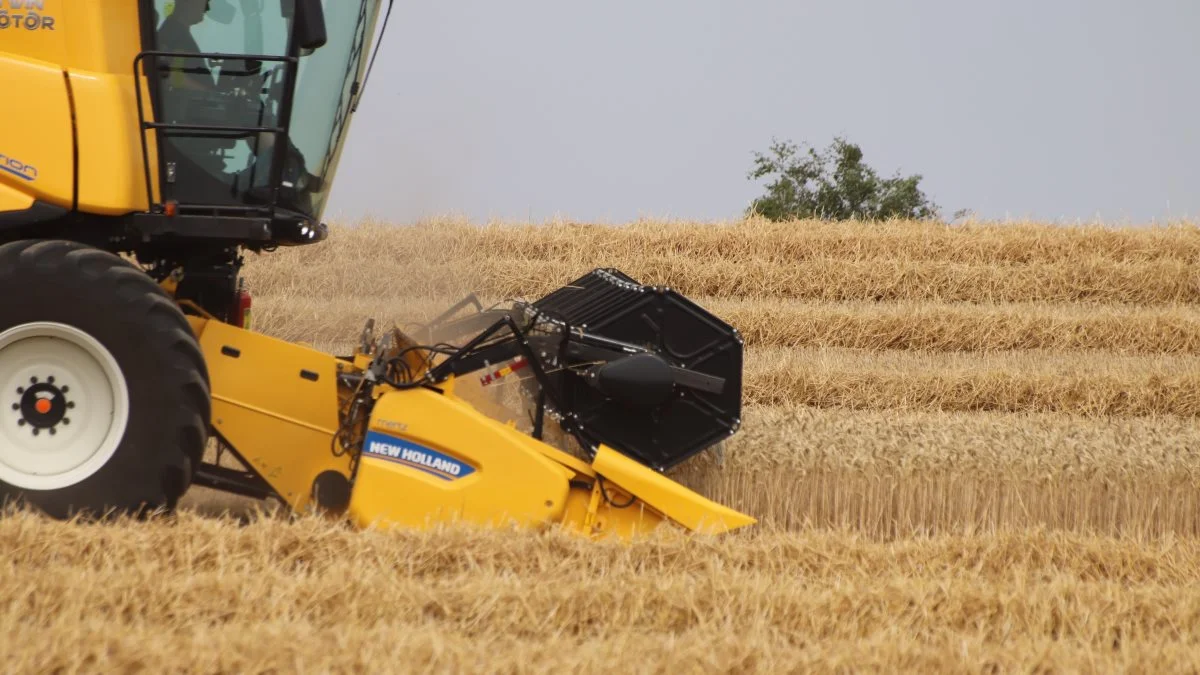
[[123, 135]]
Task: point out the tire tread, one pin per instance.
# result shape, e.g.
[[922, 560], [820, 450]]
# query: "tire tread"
[[162, 474]]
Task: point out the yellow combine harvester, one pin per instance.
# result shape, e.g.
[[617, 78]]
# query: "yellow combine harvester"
[[183, 133]]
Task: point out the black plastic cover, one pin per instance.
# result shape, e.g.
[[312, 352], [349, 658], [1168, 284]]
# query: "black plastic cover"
[[38, 212], [641, 380]]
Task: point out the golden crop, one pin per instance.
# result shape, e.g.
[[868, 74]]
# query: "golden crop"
[[755, 260], [972, 448], [904, 325], [209, 595]]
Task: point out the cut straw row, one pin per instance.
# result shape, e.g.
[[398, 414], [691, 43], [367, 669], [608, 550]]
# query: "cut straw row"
[[984, 244], [1087, 384], [1091, 280], [212, 596], [910, 325]]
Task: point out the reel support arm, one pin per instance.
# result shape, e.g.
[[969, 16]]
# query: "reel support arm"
[[661, 387]]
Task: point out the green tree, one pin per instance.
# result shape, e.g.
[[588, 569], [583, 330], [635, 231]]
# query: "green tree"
[[833, 185]]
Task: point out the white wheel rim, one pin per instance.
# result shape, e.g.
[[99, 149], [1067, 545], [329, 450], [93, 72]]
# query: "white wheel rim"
[[91, 398]]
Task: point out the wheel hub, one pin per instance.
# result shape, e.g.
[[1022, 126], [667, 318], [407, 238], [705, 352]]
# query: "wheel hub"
[[64, 406], [43, 406]]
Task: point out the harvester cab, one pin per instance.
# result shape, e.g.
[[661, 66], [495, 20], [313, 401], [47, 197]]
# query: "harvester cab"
[[251, 107], [159, 140]]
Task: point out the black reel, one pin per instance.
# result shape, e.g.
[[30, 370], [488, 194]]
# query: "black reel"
[[640, 369], [679, 393]]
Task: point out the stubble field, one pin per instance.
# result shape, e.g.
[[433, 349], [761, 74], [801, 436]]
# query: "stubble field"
[[971, 448]]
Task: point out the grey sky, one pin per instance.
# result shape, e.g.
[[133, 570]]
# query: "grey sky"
[[606, 111]]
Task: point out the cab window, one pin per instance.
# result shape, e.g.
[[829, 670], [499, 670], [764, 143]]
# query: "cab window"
[[205, 166]]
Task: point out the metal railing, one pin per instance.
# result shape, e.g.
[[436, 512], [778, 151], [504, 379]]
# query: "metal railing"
[[142, 67]]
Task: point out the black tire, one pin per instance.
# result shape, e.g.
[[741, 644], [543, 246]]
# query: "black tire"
[[143, 329]]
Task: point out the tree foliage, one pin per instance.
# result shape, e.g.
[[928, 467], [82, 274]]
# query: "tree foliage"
[[833, 184]]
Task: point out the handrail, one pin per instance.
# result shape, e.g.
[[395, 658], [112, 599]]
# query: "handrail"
[[215, 131]]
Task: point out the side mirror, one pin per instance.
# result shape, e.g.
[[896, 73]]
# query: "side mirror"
[[310, 24]]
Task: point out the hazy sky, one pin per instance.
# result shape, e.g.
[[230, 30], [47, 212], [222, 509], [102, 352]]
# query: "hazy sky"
[[609, 110]]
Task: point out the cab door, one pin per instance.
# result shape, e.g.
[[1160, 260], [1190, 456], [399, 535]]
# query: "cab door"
[[219, 115]]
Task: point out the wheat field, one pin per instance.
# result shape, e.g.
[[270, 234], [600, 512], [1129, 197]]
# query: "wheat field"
[[901, 378], [971, 448]]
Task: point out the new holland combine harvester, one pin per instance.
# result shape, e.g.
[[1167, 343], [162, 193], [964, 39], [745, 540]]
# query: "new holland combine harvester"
[[145, 146]]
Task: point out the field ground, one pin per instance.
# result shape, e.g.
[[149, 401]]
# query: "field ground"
[[208, 595], [972, 449]]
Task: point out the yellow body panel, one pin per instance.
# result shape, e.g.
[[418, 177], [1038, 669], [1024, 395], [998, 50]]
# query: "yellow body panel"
[[510, 481], [111, 176], [590, 514], [36, 146], [674, 500], [105, 38], [278, 420], [36, 29], [12, 199], [69, 76]]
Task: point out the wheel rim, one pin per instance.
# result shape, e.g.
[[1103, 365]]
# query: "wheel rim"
[[64, 406]]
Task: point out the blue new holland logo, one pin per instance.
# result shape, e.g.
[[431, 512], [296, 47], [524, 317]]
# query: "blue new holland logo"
[[416, 456]]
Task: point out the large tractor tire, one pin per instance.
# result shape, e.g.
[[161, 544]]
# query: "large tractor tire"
[[104, 395]]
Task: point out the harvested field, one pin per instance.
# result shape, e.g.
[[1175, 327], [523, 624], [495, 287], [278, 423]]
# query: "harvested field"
[[1089, 384], [209, 595], [908, 325], [971, 448]]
